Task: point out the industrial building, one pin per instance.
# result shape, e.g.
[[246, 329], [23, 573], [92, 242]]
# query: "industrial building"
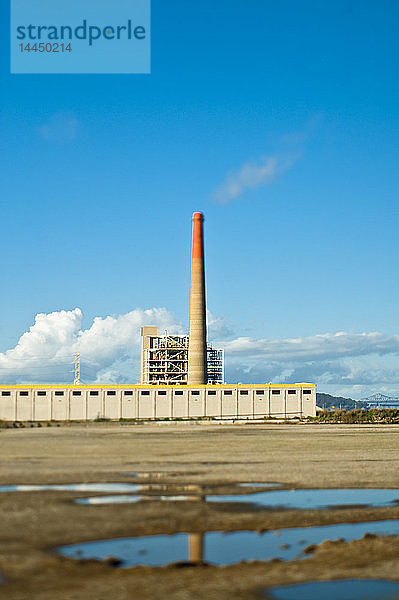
[[89, 402], [181, 377], [164, 359]]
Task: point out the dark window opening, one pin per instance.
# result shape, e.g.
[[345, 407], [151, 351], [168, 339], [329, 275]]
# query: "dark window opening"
[[211, 392], [161, 393], [94, 393], [195, 393], [58, 393], [76, 393], [276, 392], [145, 393], [228, 392], [244, 392], [128, 393], [260, 392], [307, 391], [111, 393], [292, 391], [41, 393], [179, 393], [6, 393], [23, 393]]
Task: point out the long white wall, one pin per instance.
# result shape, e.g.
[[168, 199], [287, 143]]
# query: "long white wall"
[[85, 403]]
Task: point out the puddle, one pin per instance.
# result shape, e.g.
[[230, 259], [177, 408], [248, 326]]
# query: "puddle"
[[271, 485], [278, 499], [157, 474], [73, 487], [150, 492], [346, 589], [196, 494], [131, 499], [220, 548], [314, 499], [273, 499]]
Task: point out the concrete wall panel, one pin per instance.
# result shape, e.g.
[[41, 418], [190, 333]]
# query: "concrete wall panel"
[[277, 405], [7, 407], [196, 405], [59, 407], [42, 407], [129, 406], [95, 406], [229, 404], [261, 403], [24, 407], [180, 405], [146, 406], [309, 404], [214, 405], [245, 404], [112, 405], [163, 405], [77, 407], [293, 404]]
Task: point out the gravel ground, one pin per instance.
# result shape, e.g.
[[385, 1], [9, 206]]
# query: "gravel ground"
[[34, 523]]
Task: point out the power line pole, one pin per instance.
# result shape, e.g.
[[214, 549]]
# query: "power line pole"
[[77, 369]]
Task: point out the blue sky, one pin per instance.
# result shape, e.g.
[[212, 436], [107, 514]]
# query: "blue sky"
[[293, 106]]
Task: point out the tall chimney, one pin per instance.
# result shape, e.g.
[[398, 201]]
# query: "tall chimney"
[[197, 374]]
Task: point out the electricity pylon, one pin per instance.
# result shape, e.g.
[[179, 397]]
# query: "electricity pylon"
[[77, 369]]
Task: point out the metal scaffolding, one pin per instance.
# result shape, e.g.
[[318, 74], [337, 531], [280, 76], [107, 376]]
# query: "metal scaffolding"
[[165, 360], [215, 365]]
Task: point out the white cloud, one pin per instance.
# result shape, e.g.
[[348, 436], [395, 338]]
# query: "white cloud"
[[347, 364], [217, 328], [340, 363], [109, 348], [316, 347], [60, 127], [252, 175]]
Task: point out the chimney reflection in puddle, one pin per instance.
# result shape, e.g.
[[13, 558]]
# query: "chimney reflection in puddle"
[[196, 547], [193, 493]]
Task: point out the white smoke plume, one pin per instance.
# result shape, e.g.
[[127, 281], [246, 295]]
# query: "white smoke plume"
[[60, 127], [252, 175]]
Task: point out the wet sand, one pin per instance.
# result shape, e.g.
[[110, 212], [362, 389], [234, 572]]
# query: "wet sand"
[[34, 523]]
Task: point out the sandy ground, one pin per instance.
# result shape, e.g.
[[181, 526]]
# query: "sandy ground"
[[35, 523]]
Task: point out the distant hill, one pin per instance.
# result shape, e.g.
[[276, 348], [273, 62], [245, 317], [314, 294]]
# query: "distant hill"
[[337, 402]]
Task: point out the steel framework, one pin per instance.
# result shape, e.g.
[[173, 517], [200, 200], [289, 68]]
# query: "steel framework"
[[76, 380], [165, 361]]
